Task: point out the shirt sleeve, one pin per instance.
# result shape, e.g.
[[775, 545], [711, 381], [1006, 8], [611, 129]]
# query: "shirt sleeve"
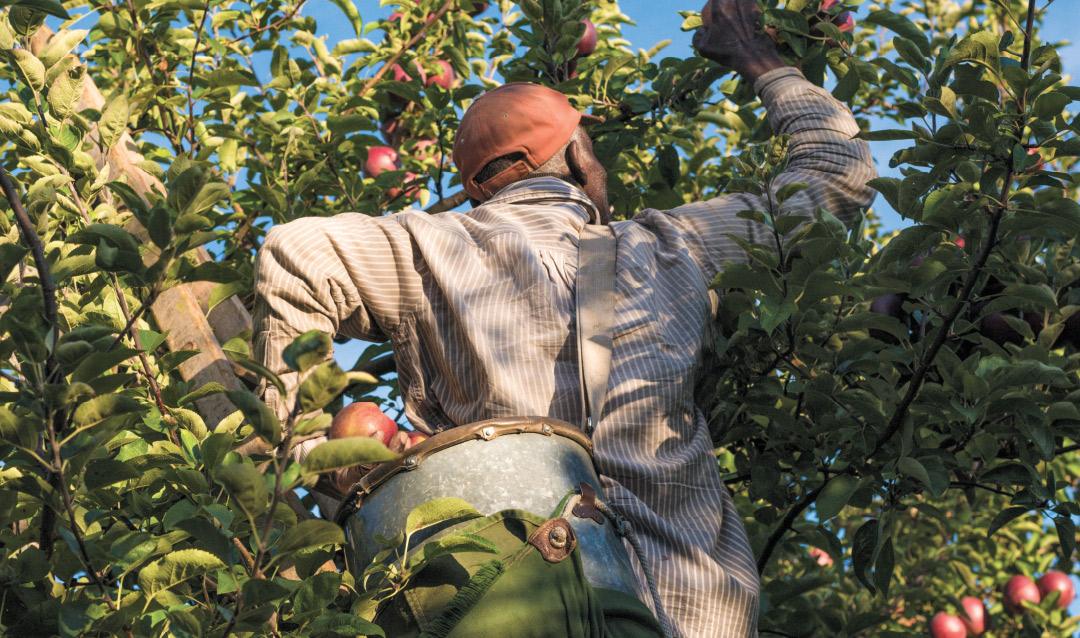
[[350, 274], [821, 153]]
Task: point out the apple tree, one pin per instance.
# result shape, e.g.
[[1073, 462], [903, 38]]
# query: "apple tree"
[[902, 403]]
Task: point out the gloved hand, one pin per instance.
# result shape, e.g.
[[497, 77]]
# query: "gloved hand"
[[733, 37]]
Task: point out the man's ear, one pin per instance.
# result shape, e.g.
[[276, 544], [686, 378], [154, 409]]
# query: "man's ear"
[[576, 161]]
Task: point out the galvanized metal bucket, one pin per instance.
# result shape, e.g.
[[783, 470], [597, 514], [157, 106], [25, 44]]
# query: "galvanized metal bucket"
[[523, 463]]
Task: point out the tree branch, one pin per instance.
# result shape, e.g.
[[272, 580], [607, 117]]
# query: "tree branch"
[[48, 288], [785, 525], [453, 201], [420, 34]]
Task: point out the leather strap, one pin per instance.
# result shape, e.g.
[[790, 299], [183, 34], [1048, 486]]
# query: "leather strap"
[[595, 317]]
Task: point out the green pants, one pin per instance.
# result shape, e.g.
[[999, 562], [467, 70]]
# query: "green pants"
[[528, 598]]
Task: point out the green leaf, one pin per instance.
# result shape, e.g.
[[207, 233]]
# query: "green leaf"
[[114, 235], [452, 544], [981, 47], [317, 592], [104, 472], [206, 390], [337, 454], [256, 412], [60, 45], [308, 534], [262, 371], [100, 408], [835, 496], [176, 567], [440, 510], [355, 45], [307, 350], [1066, 533], [10, 256], [1004, 517], [911, 467], [883, 568], [864, 551], [847, 86], [343, 624], [257, 591], [787, 191], [245, 485], [901, 26], [206, 198], [668, 164], [214, 448], [49, 7], [319, 423], [111, 127], [207, 535], [21, 431], [1050, 105], [322, 386], [66, 93], [31, 70]]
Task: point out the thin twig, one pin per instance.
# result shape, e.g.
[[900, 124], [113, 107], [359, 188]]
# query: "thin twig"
[[420, 34], [785, 525], [191, 80], [273, 25], [446, 204], [30, 236]]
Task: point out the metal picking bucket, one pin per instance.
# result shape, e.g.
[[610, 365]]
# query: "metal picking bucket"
[[524, 463]]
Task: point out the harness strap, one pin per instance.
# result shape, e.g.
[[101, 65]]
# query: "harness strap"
[[595, 293]]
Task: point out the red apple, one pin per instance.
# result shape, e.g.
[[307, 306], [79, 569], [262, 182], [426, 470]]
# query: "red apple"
[[1018, 589], [975, 621], [478, 8], [587, 44], [1057, 581], [946, 626], [401, 76], [706, 14], [446, 78], [822, 556], [845, 22], [828, 5], [380, 158], [416, 437], [362, 419]]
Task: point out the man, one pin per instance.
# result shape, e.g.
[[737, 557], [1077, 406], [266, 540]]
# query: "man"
[[480, 307]]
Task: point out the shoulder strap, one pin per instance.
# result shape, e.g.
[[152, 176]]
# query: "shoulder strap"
[[595, 317]]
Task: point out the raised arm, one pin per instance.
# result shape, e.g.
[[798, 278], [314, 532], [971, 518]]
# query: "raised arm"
[[349, 274], [821, 151]]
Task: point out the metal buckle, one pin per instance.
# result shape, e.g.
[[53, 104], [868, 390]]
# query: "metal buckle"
[[586, 505]]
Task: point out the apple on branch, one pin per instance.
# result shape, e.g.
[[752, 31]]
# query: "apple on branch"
[[975, 619], [446, 78], [360, 419], [1017, 590], [380, 159], [587, 44], [946, 626], [1053, 581]]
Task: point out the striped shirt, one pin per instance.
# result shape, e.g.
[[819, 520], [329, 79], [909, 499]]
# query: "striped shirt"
[[480, 310]]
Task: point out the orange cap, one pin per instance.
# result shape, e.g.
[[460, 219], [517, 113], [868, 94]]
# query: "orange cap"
[[515, 118]]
